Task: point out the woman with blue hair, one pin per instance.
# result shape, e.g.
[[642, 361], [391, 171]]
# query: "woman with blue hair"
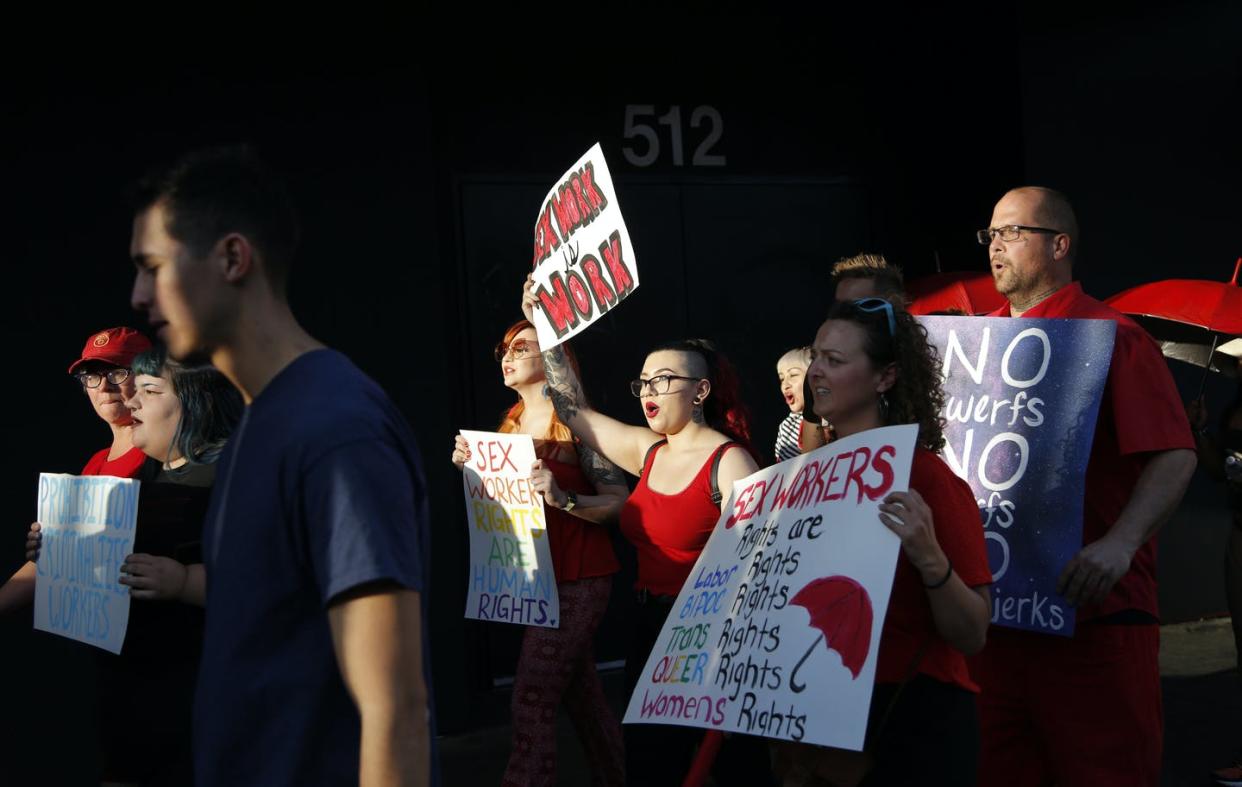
[[181, 418]]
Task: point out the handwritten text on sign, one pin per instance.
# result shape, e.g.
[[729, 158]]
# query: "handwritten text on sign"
[[583, 261], [88, 530], [1021, 399], [511, 577], [776, 632]]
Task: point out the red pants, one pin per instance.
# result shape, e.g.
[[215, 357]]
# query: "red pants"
[[1076, 712], [558, 665]]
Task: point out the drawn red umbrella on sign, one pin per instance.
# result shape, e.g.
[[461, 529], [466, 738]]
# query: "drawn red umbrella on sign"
[[841, 609], [966, 291], [1193, 320]]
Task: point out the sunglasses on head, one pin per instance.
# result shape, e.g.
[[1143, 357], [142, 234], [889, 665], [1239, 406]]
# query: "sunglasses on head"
[[875, 305]]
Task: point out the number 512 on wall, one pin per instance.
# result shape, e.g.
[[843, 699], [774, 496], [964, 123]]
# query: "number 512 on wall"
[[642, 148]]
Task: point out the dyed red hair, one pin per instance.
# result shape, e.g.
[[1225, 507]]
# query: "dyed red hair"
[[511, 420]]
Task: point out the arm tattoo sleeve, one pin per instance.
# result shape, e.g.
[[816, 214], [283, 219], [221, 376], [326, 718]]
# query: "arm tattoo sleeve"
[[597, 468], [562, 385]]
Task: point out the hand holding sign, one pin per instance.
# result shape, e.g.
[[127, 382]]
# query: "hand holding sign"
[[153, 577], [543, 482], [529, 301], [1090, 576], [34, 541], [910, 519], [461, 451]]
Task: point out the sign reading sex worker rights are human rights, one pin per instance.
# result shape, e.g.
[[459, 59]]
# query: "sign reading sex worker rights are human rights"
[[584, 264], [777, 629], [511, 576], [1021, 400], [88, 529]]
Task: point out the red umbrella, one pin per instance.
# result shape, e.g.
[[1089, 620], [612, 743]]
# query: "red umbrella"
[[841, 609], [965, 291], [1193, 320]]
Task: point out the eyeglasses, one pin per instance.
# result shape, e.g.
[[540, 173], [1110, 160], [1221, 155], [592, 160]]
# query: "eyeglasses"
[[659, 384], [95, 379], [518, 349], [1009, 233], [875, 305]]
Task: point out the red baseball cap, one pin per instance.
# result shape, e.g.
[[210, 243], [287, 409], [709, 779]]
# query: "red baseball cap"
[[115, 346]]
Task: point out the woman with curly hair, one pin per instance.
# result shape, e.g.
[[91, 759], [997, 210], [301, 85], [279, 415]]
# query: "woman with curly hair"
[[873, 367]]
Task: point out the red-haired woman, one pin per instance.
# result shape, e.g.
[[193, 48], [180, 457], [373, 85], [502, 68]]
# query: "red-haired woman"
[[581, 491], [695, 444]]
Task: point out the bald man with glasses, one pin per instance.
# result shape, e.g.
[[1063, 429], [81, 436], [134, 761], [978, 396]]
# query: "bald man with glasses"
[[1086, 710]]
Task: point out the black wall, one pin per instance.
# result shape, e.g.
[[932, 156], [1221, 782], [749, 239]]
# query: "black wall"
[[418, 186]]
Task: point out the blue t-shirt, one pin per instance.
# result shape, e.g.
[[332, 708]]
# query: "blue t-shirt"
[[319, 491]]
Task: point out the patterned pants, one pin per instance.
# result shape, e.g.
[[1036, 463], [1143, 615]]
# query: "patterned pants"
[[558, 665]]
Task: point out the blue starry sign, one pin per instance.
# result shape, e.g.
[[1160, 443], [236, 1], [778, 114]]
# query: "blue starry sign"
[[1021, 400]]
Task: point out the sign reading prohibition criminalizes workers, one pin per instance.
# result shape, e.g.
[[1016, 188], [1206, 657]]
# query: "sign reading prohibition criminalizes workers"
[[777, 629], [583, 262], [511, 577], [88, 530], [1021, 400]]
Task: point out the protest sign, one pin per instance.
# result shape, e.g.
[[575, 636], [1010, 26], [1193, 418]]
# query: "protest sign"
[[777, 630], [1021, 400], [583, 261], [511, 577], [88, 529]]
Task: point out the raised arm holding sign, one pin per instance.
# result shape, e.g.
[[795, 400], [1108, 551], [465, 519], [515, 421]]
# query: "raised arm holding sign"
[[695, 442]]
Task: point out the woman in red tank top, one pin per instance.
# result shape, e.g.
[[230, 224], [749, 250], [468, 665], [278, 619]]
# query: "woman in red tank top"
[[872, 366], [694, 420], [582, 491]]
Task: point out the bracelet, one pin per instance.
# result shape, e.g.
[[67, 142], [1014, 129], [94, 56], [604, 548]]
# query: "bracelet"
[[944, 581]]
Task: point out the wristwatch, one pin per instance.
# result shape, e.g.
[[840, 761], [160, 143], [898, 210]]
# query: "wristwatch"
[[571, 500]]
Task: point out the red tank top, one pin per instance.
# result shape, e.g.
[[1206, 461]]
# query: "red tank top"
[[669, 531], [580, 549]]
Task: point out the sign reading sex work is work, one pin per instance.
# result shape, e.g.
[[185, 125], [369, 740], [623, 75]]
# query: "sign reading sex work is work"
[[777, 629], [511, 576], [584, 263], [88, 529], [1021, 400]]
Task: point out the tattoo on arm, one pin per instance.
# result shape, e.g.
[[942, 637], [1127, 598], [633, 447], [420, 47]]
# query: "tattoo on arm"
[[562, 385], [597, 468]]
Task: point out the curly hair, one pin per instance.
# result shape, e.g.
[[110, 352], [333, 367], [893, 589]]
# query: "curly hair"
[[917, 396]]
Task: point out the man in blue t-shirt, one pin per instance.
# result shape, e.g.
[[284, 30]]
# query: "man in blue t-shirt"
[[315, 669]]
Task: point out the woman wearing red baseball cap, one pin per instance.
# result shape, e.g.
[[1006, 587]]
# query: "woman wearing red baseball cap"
[[103, 370]]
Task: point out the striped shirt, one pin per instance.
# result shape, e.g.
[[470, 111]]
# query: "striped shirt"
[[788, 444]]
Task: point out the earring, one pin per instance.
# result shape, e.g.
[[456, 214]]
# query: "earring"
[[883, 407]]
